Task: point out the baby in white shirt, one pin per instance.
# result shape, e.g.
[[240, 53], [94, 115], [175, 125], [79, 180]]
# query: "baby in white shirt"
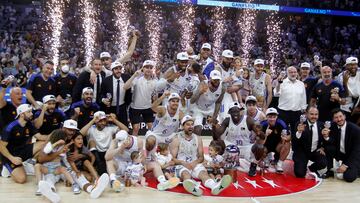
[[164, 158]]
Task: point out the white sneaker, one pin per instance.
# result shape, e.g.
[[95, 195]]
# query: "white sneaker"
[[169, 184], [279, 168], [45, 189], [222, 185], [5, 172], [192, 187], [117, 186], [29, 168], [38, 192], [100, 186]]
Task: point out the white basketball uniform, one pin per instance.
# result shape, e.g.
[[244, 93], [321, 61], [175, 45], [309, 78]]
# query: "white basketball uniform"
[[205, 105], [188, 152], [124, 160], [240, 136]]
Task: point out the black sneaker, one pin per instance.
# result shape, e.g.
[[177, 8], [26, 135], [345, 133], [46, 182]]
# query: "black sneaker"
[[252, 170], [328, 174]]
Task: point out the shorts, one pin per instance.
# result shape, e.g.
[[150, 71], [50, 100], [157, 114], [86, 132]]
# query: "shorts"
[[24, 152], [121, 166], [199, 116], [179, 169], [136, 114], [52, 166]]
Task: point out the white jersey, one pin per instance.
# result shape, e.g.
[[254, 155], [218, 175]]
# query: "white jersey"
[[258, 116], [134, 171], [206, 101], [143, 90], [258, 85], [188, 149], [166, 125], [181, 83], [238, 134], [126, 155], [162, 159], [214, 160]]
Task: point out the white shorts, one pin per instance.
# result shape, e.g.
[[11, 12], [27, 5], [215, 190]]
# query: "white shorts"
[[199, 116], [179, 169], [161, 139], [121, 166]]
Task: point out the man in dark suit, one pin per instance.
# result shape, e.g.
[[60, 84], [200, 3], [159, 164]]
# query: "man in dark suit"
[[114, 97], [307, 144], [344, 137], [84, 81]]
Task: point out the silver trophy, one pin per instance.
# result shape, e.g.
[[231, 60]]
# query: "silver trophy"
[[327, 124], [108, 96], [9, 79], [302, 119]]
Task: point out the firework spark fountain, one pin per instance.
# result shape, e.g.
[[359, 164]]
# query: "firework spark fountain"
[[218, 31], [186, 21], [153, 28], [273, 32], [54, 18], [89, 15], [122, 23], [246, 23]]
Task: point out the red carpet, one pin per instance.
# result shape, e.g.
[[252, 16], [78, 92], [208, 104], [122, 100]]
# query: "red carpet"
[[276, 184]]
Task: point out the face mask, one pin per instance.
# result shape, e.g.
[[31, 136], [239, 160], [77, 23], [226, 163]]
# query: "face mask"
[[65, 69]]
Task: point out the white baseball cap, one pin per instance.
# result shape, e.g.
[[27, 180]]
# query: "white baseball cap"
[[186, 119], [100, 114], [237, 105], [149, 63], [259, 62], [206, 46], [250, 98], [182, 56], [271, 111], [174, 95], [87, 89], [305, 65], [116, 64], [352, 60], [215, 75], [48, 98], [22, 109], [105, 55], [227, 53], [71, 124], [121, 135]]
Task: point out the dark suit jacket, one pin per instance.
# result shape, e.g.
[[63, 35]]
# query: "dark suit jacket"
[[107, 87], [82, 82], [351, 157], [304, 143]]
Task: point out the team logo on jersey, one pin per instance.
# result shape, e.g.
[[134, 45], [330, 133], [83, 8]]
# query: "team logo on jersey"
[[14, 113], [27, 131], [70, 82], [319, 91], [55, 121], [217, 95], [17, 134], [164, 132], [174, 120], [39, 85]]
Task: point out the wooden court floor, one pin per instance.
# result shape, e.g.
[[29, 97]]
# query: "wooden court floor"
[[330, 190]]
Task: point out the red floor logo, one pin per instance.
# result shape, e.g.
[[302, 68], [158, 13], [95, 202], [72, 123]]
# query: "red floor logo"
[[270, 184]]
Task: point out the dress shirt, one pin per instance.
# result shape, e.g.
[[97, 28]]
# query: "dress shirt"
[[292, 95]]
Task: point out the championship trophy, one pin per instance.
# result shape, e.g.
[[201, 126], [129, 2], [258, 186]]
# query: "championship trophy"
[[232, 161]]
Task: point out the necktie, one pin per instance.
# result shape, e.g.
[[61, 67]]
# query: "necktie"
[[117, 97], [98, 88], [311, 129]]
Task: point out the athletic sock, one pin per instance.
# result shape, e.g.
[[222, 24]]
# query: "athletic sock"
[[112, 177], [210, 183], [161, 179]]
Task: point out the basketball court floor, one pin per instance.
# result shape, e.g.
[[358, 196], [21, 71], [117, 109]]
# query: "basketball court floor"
[[276, 188]]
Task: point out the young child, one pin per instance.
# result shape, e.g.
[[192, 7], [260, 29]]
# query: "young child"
[[56, 145], [135, 171], [214, 163], [82, 165], [85, 159], [164, 158]]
